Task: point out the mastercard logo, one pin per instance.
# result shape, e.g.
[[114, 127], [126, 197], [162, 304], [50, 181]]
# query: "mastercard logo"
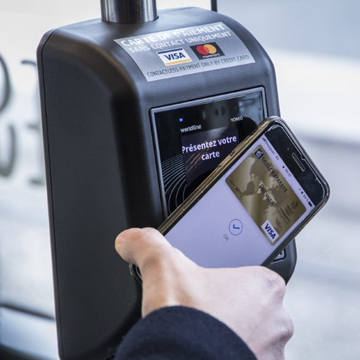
[[206, 51]]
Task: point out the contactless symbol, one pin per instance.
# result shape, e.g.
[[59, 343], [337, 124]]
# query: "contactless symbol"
[[207, 51], [259, 153], [235, 227]]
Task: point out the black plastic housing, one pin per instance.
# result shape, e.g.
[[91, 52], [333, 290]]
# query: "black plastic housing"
[[101, 168]]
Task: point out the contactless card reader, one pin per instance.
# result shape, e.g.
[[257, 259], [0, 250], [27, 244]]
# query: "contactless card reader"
[[138, 108]]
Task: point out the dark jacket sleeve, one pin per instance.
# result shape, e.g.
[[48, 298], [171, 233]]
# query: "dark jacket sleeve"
[[177, 332]]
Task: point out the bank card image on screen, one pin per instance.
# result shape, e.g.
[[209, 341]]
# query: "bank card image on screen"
[[266, 195], [246, 215]]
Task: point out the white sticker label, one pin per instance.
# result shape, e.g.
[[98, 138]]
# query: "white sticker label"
[[185, 51]]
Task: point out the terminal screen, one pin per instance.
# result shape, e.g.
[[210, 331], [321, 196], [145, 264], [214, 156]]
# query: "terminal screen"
[[193, 138]]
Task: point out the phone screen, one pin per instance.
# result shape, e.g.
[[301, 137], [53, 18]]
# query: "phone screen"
[[250, 211]]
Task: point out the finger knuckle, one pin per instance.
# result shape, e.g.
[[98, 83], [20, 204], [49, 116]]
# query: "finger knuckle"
[[276, 283], [284, 333], [288, 328], [156, 255], [285, 329]]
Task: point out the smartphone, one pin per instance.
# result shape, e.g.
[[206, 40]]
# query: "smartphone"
[[252, 205]]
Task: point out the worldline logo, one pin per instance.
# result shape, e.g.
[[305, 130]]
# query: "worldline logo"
[[207, 51], [190, 128]]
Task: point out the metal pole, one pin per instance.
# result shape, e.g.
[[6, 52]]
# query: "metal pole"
[[128, 11]]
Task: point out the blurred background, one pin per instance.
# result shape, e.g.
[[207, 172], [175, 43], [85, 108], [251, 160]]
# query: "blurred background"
[[315, 48]]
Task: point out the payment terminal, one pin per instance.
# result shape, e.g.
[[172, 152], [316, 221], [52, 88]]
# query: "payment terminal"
[[126, 102]]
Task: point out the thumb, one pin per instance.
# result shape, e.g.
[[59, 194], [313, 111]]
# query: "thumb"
[[143, 247]]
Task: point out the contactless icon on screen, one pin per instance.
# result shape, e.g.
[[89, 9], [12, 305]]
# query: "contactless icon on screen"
[[235, 227], [259, 153]]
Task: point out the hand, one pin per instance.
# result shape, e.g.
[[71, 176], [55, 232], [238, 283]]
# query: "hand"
[[247, 299]]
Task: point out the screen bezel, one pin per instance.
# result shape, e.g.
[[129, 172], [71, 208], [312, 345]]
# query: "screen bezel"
[[203, 101]]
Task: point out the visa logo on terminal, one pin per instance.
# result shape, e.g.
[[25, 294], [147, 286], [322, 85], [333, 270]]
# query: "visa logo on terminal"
[[270, 231], [174, 56]]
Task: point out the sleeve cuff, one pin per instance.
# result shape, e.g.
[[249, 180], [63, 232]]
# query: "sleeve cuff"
[[182, 333]]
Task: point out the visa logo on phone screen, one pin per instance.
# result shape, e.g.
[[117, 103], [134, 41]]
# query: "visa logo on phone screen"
[[245, 214]]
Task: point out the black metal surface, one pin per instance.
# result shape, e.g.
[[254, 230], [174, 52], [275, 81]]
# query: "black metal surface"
[[10, 354]]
